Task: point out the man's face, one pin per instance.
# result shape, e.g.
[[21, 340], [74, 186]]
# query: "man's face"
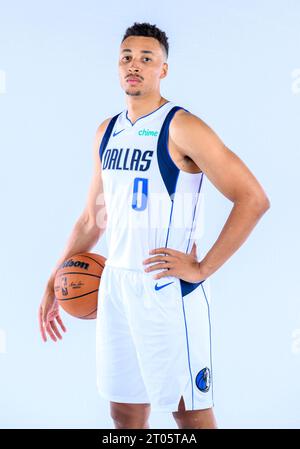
[[143, 58]]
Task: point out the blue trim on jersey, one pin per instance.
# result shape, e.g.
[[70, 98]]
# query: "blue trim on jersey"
[[106, 135], [188, 287], [210, 349], [143, 116], [168, 170], [170, 173]]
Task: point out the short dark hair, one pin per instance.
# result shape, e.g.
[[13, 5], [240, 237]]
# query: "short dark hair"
[[148, 30]]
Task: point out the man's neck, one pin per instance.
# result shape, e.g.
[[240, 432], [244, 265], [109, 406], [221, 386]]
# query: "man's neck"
[[139, 107]]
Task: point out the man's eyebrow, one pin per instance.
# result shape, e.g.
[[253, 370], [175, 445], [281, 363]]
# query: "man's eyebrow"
[[142, 51]]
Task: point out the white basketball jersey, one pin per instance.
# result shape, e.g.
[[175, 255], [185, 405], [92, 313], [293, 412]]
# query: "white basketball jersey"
[[150, 202]]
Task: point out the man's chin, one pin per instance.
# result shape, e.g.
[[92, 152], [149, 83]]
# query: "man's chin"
[[133, 93]]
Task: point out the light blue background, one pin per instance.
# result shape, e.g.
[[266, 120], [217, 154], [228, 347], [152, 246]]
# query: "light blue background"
[[231, 63]]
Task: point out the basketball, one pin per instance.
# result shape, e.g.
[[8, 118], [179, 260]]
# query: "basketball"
[[77, 282]]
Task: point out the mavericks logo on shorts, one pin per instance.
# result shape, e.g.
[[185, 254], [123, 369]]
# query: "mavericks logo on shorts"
[[203, 380]]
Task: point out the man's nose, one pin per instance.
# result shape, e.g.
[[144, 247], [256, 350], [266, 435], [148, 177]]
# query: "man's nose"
[[134, 72], [134, 66]]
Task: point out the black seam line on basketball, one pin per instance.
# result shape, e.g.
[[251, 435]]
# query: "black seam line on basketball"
[[89, 257], [83, 316], [79, 272], [75, 297]]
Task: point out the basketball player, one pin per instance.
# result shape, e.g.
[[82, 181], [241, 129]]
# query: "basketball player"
[[153, 323]]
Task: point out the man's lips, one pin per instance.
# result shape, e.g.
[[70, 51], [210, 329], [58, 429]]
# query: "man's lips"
[[133, 80]]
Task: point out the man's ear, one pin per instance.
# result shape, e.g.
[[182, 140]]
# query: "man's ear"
[[165, 70]]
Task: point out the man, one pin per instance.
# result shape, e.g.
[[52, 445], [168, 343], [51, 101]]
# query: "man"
[[153, 323]]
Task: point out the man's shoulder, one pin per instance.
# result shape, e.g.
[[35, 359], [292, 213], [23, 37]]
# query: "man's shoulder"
[[184, 116], [103, 125], [102, 128], [184, 120]]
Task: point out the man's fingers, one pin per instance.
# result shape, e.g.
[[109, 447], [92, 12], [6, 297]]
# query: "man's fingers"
[[50, 332], [59, 320], [159, 266], [157, 259], [55, 330], [42, 330], [48, 325]]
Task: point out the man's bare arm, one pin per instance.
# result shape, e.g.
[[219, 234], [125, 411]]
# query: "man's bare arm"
[[230, 176], [84, 236], [86, 231]]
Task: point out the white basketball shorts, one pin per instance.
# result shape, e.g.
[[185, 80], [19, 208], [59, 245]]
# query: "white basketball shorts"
[[153, 340]]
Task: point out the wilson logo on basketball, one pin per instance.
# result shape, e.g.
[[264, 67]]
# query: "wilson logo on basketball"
[[76, 284], [77, 263]]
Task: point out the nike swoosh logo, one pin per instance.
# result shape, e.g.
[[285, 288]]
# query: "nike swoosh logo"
[[162, 286], [115, 133]]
